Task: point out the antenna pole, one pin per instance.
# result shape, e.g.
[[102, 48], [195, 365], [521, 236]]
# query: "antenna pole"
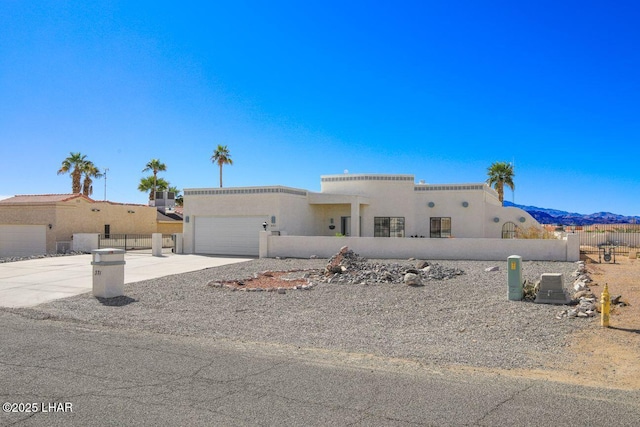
[[105, 183]]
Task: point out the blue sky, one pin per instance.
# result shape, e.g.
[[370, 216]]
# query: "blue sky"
[[437, 89]]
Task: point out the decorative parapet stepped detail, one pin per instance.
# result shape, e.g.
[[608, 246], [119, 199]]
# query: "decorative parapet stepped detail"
[[342, 178], [255, 190]]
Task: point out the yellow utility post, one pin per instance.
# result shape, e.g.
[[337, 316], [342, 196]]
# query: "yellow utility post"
[[605, 306]]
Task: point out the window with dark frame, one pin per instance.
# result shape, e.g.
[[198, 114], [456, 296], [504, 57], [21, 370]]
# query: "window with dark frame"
[[107, 231], [388, 226], [440, 227]]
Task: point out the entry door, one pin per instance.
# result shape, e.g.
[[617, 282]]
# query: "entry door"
[[345, 225]]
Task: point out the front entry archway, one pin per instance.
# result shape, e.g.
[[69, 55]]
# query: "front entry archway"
[[509, 230]]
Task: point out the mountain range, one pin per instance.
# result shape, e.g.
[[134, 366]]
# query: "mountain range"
[[554, 216]]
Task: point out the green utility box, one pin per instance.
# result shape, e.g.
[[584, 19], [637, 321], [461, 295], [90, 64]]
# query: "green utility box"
[[514, 278]]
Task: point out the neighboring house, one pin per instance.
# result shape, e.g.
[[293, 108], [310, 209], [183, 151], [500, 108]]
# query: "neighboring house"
[[170, 222], [169, 214], [31, 224], [228, 220]]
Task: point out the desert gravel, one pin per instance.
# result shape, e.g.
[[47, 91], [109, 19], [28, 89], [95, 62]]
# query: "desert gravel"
[[466, 320]]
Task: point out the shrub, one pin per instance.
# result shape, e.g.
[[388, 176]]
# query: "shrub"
[[534, 232]]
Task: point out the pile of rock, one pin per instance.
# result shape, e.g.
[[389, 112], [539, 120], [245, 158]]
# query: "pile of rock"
[[347, 267], [586, 302]]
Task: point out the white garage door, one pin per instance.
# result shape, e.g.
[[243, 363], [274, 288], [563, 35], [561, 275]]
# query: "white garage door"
[[22, 240], [228, 235]]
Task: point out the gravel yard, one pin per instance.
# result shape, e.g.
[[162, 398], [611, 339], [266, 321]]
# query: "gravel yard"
[[466, 320]]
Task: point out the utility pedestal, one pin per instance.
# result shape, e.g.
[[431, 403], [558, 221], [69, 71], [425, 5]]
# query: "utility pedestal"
[[514, 278], [108, 272], [551, 290]]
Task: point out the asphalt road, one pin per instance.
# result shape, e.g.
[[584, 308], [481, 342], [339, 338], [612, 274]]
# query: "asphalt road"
[[94, 376]]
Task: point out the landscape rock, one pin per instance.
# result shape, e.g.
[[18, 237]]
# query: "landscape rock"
[[422, 264], [494, 268], [412, 279], [347, 267], [580, 286], [583, 293]]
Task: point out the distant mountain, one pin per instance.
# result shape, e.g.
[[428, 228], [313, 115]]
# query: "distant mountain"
[[554, 216]]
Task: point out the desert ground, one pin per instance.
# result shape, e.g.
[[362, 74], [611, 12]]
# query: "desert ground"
[[608, 357]]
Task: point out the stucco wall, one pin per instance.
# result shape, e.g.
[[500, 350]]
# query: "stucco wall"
[[466, 221], [86, 217], [387, 196], [81, 216], [85, 242], [293, 215], [480, 249], [32, 215], [166, 227], [474, 209]]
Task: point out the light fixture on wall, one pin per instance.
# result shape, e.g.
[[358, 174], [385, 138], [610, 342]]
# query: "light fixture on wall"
[[50, 226], [264, 225]]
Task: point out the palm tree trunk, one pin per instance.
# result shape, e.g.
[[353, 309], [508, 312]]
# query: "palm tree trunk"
[[220, 175], [155, 185]]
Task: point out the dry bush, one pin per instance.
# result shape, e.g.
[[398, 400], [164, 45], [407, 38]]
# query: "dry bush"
[[534, 232]]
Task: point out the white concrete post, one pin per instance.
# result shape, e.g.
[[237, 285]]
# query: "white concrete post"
[[573, 247], [108, 272], [156, 244], [355, 218], [263, 251], [177, 243]]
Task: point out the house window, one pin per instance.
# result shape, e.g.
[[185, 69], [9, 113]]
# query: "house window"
[[440, 226], [107, 231], [388, 226]]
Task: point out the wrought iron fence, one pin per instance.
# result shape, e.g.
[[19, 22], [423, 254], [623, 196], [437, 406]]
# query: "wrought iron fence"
[[623, 238], [130, 242]]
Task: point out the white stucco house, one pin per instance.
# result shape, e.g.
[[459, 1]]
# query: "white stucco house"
[[229, 220]]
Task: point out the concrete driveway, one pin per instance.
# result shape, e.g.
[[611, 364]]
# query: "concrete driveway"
[[32, 282]]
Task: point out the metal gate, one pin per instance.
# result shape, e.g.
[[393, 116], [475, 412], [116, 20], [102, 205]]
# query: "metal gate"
[[621, 238], [130, 242]]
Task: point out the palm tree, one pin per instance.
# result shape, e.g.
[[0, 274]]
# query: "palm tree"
[[73, 163], [501, 174], [221, 156], [90, 171], [152, 184], [156, 166]]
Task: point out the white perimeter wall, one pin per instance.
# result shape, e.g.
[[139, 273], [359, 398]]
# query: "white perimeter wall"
[[85, 242], [567, 249]]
